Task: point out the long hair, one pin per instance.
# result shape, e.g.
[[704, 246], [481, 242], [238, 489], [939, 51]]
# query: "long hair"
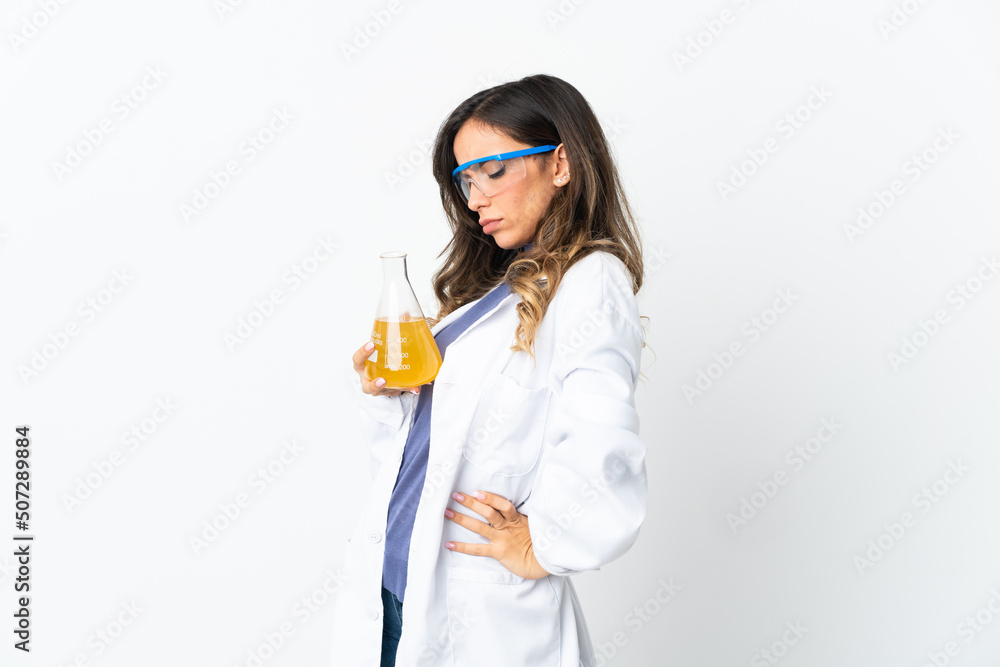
[[590, 213]]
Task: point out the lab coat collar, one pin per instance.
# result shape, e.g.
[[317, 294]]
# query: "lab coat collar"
[[455, 314]]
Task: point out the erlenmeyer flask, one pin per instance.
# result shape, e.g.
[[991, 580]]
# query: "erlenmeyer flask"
[[405, 353]]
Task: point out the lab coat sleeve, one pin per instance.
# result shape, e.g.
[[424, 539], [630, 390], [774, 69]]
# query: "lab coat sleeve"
[[589, 495], [381, 419]]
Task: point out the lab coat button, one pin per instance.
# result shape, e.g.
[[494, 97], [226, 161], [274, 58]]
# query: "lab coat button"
[[372, 613], [375, 536]]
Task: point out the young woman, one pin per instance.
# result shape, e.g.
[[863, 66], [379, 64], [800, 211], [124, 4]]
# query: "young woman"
[[520, 464]]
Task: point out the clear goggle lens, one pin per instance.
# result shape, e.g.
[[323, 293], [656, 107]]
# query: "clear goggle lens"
[[491, 177]]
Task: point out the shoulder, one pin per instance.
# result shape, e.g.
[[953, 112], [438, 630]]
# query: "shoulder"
[[595, 318], [598, 282], [595, 269]]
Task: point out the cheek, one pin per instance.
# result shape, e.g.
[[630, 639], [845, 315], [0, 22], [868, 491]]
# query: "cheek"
[[524, 206], [515, 208], [529, 201], [534, 203]]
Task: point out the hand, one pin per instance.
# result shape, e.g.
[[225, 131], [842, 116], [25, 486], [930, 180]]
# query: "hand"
[[505, 528], [370, 385]]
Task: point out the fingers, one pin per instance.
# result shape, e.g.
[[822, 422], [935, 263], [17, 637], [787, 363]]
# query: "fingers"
[[361, 356], [492, 501], [493, 508], [377, 388], [374, 386], [469, 523], [471, 548]]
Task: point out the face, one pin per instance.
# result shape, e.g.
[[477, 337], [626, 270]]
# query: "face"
[[519, 208]]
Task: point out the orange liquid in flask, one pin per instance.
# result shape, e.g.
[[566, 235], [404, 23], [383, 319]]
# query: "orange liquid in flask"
[[405, 353]]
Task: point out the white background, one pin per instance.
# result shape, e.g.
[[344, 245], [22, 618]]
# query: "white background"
[[714, 262]]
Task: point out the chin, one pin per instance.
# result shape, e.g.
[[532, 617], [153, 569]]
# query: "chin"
[[501, 240], [505, 242]]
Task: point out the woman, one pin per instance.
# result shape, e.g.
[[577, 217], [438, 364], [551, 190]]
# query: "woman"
[[529, 468]]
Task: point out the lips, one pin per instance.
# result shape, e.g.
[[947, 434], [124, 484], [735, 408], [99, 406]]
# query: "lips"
[[489, 224]]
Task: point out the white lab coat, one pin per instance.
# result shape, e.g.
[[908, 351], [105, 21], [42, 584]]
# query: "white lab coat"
[[561, 437]]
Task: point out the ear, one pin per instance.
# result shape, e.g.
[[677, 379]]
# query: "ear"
[[560, 170]]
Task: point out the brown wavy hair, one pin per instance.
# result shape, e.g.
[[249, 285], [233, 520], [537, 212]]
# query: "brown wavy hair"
[[590, 213]]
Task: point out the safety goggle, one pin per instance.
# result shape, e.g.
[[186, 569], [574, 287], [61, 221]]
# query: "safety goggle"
[[495, 173]]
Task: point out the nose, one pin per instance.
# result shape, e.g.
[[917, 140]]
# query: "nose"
[[476, 197]]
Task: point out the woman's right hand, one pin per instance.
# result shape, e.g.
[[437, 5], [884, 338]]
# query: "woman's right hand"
[[374, 386]]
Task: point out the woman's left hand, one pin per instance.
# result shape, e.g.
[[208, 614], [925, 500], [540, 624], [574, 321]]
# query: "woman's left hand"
[[505, 528]]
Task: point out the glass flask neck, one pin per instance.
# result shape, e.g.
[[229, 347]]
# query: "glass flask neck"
[[394, 266]]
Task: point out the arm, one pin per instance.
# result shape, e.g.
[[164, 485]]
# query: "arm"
[[589, 495]]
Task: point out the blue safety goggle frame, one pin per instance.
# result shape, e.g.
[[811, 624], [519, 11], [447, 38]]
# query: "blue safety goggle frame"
[[504, 156]]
